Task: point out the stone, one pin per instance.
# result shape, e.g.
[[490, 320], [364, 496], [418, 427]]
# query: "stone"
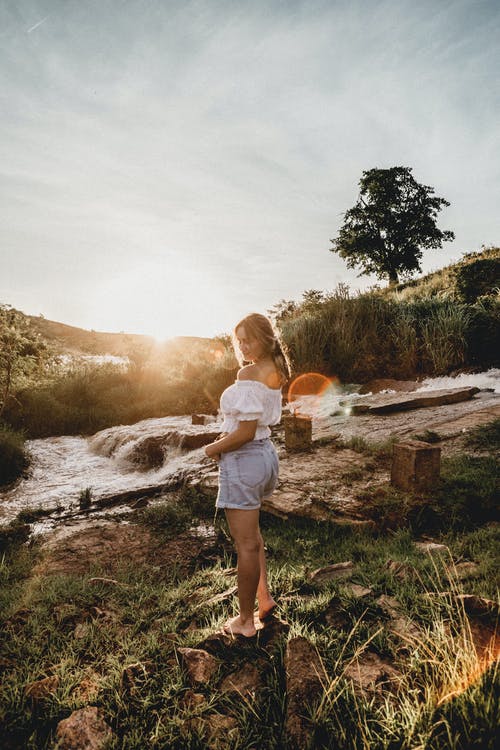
[[332, 572], [190, 699], [387, 403], [432, 548], [298, 433], [202, 419], [359, 592], [41, 689], [85, 729], [134, 676], [199, 665], [304, 672], [372, 675], [415, 465], [191, 442], [243, 683]]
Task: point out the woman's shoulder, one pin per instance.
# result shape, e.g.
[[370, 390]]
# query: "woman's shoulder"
[[266, 376]]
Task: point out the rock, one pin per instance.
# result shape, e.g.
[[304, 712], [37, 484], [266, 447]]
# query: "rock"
[[85, 729], [332, 572], [371, 675], [479, 606], [88, 689], [202, 419], [387, 403], [41, 689], [432, 548], [191, 442], [243, 683], [190, 699], [134, 676], [415, 465], [272, 632], [359, 592], [298, 433], [399, 625], [199, 664], [303, 688], [388, 384]]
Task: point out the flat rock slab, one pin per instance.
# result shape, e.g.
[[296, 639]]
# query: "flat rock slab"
[[385, 403], [446, 419]]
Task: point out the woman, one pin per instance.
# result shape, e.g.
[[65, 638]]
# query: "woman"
[[248, 462]]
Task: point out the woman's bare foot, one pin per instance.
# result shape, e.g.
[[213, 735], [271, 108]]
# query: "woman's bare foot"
[[234, 626], [266, 607]]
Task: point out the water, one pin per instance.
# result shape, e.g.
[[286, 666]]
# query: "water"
[[106, 462]]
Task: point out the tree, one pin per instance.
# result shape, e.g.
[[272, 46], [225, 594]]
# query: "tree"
[[21, 350], [392, 222]]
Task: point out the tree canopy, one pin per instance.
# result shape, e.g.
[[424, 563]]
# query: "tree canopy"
[[393, 221]]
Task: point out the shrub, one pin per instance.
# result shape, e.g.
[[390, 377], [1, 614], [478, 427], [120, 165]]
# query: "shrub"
[[13, 457], [477, 278]]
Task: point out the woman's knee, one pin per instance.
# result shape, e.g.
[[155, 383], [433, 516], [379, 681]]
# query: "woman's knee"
[[248, 544]]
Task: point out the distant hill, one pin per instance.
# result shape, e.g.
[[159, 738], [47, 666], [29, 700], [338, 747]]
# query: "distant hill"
[[444, 282], [73, 340]]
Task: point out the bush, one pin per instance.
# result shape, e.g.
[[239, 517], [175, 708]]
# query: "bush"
[[477, 278], [13, 457]]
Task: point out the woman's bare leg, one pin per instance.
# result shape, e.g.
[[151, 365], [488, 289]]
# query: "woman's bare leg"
[[266, 601], [244, 528]]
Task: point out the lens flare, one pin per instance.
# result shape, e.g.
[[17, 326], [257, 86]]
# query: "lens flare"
[[311, 387]]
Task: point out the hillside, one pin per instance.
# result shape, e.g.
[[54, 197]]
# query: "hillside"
[[481, 269], [73, 340]]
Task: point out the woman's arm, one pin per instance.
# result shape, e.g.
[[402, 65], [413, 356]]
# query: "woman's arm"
[[234, 440]]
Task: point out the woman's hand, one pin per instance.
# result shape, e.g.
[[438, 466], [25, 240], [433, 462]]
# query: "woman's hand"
[[210, 452]]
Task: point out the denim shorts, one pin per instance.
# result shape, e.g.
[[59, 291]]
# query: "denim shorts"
[[247, 475]]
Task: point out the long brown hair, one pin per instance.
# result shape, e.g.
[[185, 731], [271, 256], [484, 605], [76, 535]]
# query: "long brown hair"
[[261, 328]]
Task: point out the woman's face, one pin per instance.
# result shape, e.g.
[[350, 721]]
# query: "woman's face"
[[251, 348]]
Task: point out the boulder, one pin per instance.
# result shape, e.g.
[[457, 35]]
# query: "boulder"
[[304, 672], [85, 729], [190, 442], [199, 665]]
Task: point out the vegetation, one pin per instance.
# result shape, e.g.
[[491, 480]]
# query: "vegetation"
[[13, 456], [87, 635], [392, 222]]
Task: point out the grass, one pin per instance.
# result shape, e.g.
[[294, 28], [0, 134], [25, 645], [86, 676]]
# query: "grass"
[[54, 628]]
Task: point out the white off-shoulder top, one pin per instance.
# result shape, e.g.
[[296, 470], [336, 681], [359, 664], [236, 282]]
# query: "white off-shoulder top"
[[246, 400]]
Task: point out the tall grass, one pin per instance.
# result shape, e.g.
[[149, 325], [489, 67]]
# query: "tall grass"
[[369, 335]]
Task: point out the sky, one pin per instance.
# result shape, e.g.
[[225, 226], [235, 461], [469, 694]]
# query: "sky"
[[168, 167]]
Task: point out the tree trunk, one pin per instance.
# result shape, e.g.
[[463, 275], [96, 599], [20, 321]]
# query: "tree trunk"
[[393, 278]]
